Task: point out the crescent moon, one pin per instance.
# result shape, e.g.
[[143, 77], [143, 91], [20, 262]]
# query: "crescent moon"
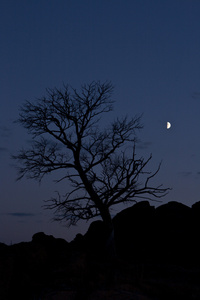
[[168, 125]]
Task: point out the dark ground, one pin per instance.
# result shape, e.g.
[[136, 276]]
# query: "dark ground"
[[157, 258]]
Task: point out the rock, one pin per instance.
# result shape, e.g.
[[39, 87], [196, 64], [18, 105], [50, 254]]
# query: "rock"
[[196, 206], [156, 243], [195, 233], [48, 240], [172, 232], [196, 214], [27, 268], [56, 248], [95, 239], [3, 248], [134, 228]]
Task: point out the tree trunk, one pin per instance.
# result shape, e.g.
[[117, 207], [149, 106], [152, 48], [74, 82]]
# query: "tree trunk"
[[103, 209], [110, 248]]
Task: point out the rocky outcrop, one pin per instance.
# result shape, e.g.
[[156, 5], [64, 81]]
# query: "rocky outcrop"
[[167, 234], [26, 267], [134, 228], [173, 232], [152, 244]]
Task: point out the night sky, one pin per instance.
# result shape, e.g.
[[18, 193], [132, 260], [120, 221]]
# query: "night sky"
[[149, 50]]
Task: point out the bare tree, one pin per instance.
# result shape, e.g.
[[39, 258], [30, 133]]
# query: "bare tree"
[[101, 165]]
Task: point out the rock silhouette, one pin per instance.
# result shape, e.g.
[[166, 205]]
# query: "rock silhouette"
[[158, 258], [134, 230]]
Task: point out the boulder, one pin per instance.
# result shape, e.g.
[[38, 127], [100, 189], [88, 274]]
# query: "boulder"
[[95, 238], [48, 240], [134, 227], [195, 232], [172, 232]]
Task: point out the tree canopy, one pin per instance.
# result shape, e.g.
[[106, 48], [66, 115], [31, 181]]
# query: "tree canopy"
[[100, 164]]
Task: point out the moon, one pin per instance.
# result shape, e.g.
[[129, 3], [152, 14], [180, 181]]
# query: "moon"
[[168, 125]]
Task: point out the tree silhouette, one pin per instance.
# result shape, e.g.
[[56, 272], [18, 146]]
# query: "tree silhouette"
[[100, 164]]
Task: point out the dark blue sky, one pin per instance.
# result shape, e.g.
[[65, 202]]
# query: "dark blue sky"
[[150, 50]]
